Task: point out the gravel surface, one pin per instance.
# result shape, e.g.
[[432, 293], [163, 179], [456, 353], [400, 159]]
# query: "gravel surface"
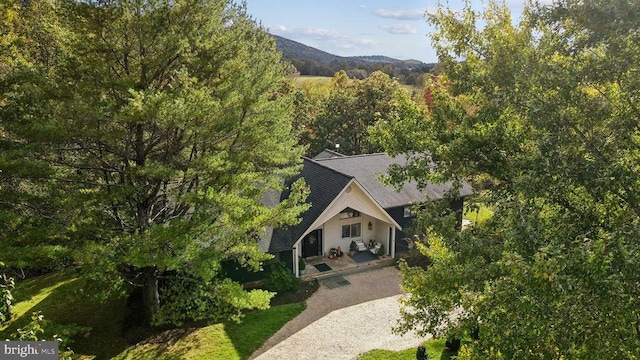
[[343, 322]]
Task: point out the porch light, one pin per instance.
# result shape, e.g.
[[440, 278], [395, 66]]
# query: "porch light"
[[370, 226]]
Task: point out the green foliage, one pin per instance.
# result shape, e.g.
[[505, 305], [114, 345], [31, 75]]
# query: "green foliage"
[[435, 349], [141, 136], [66, 303], [547, 111], [301, 263], [421, 353], [72, 312], [6, 297], [34, 331], [351, 107], [187, 298], [281, 279]]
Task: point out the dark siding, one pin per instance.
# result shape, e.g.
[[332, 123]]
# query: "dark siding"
[[287, 258]]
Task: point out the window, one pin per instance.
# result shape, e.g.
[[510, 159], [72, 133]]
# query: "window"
[[408, 211], [351, 230], [349, 213]]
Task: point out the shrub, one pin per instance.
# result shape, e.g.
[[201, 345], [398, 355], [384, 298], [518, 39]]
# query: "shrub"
[[281, 279], [301, 263], [190, 298], [453, 344], [421, 353], [34, 331], [6, 298], [381, 251]]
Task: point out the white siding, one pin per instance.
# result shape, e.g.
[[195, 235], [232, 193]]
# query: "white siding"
[[354, 197]]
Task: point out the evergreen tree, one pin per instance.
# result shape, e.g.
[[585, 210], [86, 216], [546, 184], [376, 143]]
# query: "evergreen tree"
[[139, 137]]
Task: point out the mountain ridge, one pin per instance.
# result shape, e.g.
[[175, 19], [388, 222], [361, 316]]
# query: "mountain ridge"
[[305, 58]]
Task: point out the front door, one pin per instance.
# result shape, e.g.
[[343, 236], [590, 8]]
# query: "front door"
[[312, 244]]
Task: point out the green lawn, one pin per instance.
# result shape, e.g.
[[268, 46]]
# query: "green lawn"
[[218, 341], [435, 349], [63, 298], [477, 216]]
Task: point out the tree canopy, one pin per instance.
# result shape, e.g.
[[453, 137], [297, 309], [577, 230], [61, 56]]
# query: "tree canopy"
[[543, 118], [139, 138], [351, 106]]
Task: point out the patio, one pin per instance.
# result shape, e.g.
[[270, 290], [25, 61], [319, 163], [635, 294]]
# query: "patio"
[[339, 265]]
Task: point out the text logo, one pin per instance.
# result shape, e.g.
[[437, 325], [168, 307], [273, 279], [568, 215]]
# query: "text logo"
[[40, 350]]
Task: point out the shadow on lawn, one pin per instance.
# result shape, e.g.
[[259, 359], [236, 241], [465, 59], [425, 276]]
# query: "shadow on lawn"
[[69, 303], [258, 326], [72, 311], [157, 346]]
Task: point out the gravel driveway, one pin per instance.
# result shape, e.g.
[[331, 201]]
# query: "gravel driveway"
[[343, 322]]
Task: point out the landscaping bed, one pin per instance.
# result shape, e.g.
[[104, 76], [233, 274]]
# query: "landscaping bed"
[[307, 289]]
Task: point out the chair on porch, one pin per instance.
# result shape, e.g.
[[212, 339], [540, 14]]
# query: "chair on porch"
[[375, 248], [361, 245]]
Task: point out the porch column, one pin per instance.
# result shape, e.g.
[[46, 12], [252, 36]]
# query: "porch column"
[[393, 242], [295, 262]]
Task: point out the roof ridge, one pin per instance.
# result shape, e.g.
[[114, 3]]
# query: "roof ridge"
[[335, 152], [316, 162], [351, 156]]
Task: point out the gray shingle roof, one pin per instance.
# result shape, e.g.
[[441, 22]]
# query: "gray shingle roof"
[[366, 169], [327, 176], [328, 154], [324, 184]]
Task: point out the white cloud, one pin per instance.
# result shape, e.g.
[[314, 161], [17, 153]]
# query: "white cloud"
[[278, 29], [328, 40], [353, 44], [397, 29], [310, 33], [319, 34], [413, 14]]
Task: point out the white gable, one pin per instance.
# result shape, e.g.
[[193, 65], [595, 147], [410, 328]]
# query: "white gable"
[[355, 197]]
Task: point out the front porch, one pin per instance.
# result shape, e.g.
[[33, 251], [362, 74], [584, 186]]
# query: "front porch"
[[343, 264]]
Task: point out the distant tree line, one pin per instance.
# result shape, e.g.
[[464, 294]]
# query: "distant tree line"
[[360, 70]]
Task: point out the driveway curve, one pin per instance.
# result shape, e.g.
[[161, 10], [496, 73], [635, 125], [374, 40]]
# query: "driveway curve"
[[342, 322]]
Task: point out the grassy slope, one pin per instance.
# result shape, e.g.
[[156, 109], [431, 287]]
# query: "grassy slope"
[[63, 298], [435, 349], [219, 341]]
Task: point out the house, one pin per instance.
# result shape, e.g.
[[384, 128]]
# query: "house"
[[349, 203]]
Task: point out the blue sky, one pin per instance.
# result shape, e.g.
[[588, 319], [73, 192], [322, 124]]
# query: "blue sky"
[[395, 28]]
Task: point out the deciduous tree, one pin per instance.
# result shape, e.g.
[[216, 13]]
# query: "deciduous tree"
[[351, 108], [548, 110]]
